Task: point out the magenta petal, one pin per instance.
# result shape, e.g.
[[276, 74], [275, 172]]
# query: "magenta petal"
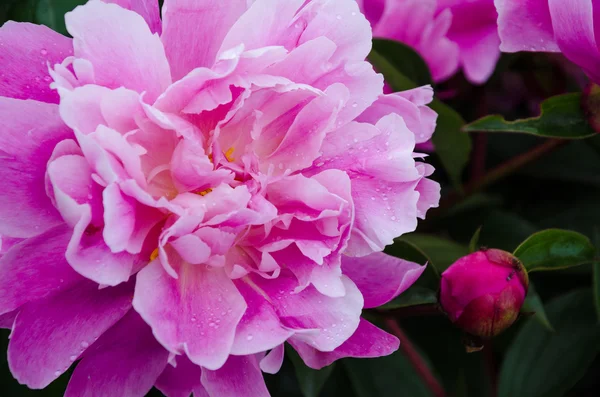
[[49, 335], [202, 325], [181, 380], [239, 376], [125, 361], [30, 131], [380, 277], [525, 25], [367, 342], [26, 51], [36, 268], [148, 9], [8, 319]]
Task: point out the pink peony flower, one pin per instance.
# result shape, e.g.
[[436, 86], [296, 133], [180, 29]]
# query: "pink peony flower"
[[483, 292], [566, 26], [448, 34], [188, 194]]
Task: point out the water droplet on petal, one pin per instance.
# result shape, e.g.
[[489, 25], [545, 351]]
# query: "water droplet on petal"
[[73, 358], [57, 373], [85, 345], [338, 17], [393, 218], [250, 337], [44, 51]]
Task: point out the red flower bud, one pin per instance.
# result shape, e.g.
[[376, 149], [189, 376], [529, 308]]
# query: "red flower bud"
[[483, 292]]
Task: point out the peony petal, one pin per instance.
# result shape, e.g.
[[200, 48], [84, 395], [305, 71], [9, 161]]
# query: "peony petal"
[[30, 131], [525, 25], [49, 335], [148, 9], [259, 329], [126, 360], [121, 48], [35, 269], [196, 314], [367, 342], [273, 361], [332, 320], [7, 320], [239, 376], [380, 277], [181, 380], [188, 23], [26, 51], [573, 23]]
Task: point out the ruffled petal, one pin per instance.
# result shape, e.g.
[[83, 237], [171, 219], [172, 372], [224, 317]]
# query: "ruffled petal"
[[181, 380], [239, 376], [148, 9]]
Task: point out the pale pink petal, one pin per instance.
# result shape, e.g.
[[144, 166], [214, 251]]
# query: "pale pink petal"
[[368, 341], [332, 320], [259, 329], [29, 133], [148, 9], [126, 361], [181, 380], [26, 51], [525, 25], [36, 268], [380, 277], [188, 23], [121, 48], [272, 362], [49, 335], [199, 325], [239, 376]]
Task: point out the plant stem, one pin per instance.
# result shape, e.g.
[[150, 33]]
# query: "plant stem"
[[501, 171], [415, 359]]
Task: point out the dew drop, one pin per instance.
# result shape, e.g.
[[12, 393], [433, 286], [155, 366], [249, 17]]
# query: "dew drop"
[[393, 218], [47, 78], [249, 337], [73, 358], [85, 345], [57, 373], [44, 51], [339, 17], [355, 105]]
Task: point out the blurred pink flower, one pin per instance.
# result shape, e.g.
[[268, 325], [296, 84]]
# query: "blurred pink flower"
[[187, 202], [567, 26], [448, 34], [483, 292]]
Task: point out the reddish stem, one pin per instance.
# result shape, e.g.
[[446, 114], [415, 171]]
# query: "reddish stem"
[[415, 359]]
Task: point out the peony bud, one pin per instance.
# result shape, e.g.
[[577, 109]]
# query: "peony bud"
[[483, 292]]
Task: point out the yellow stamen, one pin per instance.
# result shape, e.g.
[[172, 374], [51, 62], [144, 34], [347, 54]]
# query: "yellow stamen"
[[154, 255], [228, 154], [205, 192]]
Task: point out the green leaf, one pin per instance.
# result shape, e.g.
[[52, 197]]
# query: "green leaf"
[[385, 376], [52, 13], [533, 304], [311, 380], [406, 60], [442, 252], [555, 249], [415, 295], [540, 363], [561, 117], [452, 145], [474, 243]]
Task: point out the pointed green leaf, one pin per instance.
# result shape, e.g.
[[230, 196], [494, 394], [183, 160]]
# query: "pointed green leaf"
[[405, 59], [540, 363], [533, 304], [561, 117], [555, 249], [474, 243], [311, 380]]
